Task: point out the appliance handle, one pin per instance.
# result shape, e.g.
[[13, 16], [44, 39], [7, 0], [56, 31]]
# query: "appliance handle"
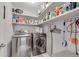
[[4, 12]]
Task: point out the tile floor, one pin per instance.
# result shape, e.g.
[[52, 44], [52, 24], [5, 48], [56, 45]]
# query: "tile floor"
[[23, 52]]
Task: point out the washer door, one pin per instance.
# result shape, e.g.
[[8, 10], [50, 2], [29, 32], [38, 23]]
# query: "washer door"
[[40, 43]]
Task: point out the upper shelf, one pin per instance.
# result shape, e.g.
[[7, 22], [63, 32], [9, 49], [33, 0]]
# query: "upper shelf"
[[30, 17], [51, 7], [65, 15]]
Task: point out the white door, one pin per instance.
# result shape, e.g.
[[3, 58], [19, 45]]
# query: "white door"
[[1, 24], [5, 27], [8, 22]]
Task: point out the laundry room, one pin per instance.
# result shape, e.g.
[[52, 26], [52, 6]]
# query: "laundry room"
[[39, 29]]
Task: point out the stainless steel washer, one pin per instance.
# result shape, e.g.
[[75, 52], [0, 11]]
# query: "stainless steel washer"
[[39, 43]]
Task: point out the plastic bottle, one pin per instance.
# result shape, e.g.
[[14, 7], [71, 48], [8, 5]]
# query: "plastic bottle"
[[14, 19]]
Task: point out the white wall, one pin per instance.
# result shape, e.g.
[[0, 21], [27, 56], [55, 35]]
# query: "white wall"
[[5, 51], [27, 12], [1, 24], [8, 32], [29, 28], [57, 38]]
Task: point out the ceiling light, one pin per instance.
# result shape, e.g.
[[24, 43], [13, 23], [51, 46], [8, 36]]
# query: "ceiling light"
[[33, 2]]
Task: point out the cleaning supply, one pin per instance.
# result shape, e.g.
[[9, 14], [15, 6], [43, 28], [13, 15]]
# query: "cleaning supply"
[[52, 14], [66, 6], [14, 19], [64, 43], [19, 11], [49, 15], [21, 20], [77, 4], [73, 5], [58, 10], [70, 29], [73, 41]]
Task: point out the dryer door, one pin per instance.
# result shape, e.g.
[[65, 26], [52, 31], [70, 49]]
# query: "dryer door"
[[39, 44]]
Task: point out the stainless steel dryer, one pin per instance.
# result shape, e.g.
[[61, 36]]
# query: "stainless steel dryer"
[[39, 43]]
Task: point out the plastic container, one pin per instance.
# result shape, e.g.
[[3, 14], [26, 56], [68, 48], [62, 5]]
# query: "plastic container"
[[21, 20], [52, 14], [35, 21], [14, 19], [73, 5], [59, 10], [77, 4], [66, 6]]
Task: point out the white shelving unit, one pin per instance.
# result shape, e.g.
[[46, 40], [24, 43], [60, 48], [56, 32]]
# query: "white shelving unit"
[[65, 15], [52, 6], [24, 24]]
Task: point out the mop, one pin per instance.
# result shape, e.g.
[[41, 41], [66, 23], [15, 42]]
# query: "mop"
[[70, 21], [75, 39], [53, 30], [71, 31], [51, 41], [76, 23]]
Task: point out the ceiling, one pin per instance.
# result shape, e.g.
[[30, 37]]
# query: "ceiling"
[[28, 6]]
